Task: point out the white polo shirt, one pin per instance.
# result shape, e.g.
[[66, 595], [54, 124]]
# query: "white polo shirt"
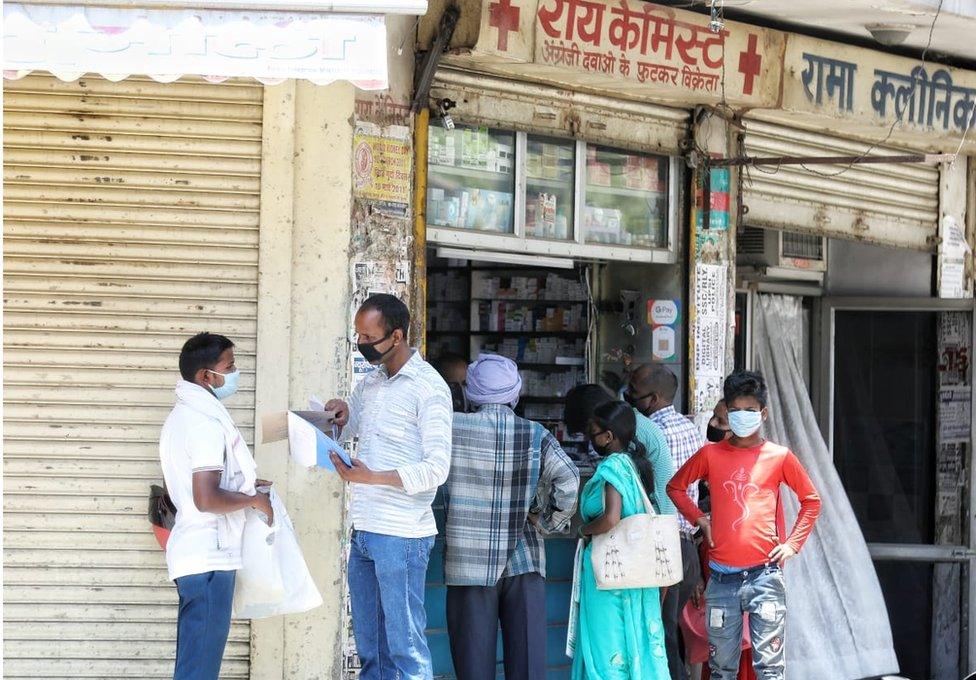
[[191, 442]]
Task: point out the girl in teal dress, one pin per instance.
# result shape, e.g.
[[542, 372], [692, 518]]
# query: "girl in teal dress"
[[617, 634]]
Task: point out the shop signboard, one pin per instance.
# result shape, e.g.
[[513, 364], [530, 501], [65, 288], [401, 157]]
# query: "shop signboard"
[[630, 48], [876, 92]]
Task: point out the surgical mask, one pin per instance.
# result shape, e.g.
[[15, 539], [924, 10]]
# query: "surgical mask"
[[715, 434], [229, 386], [370, 353], [745, 423]]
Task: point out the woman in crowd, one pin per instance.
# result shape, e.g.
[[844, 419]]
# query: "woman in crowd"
[[615, 634]]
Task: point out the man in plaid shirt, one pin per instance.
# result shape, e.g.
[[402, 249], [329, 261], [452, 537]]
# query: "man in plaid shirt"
[[651, 391], [509, 481]]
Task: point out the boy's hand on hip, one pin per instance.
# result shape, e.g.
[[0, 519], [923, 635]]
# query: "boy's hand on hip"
[[781, 553], [706, 527]]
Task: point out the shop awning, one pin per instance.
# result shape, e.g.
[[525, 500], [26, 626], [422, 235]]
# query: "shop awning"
[[217, 39]]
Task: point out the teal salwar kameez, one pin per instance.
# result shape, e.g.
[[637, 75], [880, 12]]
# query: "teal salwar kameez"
[[619, 634]]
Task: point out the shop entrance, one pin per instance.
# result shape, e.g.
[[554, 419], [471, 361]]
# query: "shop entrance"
[[576, 323], [896, 411], [540, 318]]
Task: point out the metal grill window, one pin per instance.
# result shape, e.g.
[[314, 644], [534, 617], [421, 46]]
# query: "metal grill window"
[[802, 246]]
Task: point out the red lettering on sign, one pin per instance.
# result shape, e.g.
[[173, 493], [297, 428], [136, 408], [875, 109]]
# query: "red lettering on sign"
[[749, 63], [503, 16]]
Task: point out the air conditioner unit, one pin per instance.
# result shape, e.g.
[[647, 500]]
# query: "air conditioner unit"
[[771, 254]]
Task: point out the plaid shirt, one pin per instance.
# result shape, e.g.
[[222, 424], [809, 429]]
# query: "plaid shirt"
[[684, 440], [502, 468]]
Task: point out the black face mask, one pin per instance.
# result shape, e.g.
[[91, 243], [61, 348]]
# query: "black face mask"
[[634, 401], [370, 353], [459, 399], [601, 450], [715, 434]]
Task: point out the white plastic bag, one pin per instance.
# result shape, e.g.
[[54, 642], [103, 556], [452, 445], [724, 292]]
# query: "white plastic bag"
[[299, 591], [259, 579]]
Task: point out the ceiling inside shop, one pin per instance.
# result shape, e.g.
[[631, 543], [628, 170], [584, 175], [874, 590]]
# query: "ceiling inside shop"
[[952, 36]]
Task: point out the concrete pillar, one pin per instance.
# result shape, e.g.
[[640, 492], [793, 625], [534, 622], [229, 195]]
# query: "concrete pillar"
[[303, 292]]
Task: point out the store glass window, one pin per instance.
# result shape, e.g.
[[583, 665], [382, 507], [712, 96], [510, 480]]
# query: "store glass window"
[[550, 179], [471, 178], [626, 198]]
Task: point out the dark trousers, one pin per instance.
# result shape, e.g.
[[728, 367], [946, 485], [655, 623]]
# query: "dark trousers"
[[473, 615], [674, 602], [203, 623]]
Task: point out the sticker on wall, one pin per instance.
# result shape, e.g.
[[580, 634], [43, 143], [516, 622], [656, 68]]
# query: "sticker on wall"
[[664, 343], [663, 312]]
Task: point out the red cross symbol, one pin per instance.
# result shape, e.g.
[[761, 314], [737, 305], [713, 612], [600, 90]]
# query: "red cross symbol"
[[503, 16], [749, 63]]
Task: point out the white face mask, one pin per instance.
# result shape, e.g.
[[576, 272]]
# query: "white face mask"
[[229, 386], [745, 423]]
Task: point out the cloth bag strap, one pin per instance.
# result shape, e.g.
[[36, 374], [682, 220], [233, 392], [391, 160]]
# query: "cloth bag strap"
[[648, 507]]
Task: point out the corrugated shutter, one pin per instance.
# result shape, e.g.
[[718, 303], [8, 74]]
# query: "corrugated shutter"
[[545, 109], [893, 204], [130, 223]]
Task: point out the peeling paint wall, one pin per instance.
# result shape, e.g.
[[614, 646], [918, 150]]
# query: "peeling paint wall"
[[380, 241]]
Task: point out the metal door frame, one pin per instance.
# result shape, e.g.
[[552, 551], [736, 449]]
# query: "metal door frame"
[[825, 313]]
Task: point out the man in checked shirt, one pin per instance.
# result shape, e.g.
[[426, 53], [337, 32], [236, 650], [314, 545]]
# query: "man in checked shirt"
[[510, 483], [651, 391]]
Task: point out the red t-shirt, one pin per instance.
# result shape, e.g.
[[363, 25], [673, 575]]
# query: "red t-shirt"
[[744, 488]]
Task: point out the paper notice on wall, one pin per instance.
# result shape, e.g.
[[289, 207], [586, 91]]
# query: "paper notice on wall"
[[360, 367], [710, 326], [952, 259], [382, 172], [955, 414], [711, 307]]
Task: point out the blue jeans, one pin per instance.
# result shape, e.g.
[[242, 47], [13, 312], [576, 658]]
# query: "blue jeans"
[[761, 592], [203, 623], [386, 590]]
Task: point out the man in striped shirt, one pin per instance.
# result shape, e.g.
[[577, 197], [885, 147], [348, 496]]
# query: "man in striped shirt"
[[651, 391], [510, 482], [401, 413]]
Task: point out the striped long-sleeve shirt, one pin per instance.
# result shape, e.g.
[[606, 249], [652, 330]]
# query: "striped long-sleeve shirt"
[[403, 424], [502, 468]]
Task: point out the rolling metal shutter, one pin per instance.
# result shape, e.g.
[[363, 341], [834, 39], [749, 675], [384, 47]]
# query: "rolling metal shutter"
[[892, 203], [130, 223], [548, 110]]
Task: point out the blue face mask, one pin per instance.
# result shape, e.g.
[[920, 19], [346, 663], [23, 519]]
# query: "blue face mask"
[[745, 423], [229, 386]]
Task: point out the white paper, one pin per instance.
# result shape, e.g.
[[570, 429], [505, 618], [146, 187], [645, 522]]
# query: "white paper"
[[955, 414]]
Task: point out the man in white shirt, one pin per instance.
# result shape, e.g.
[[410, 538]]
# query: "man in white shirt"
[[402, 414], [211, 478]]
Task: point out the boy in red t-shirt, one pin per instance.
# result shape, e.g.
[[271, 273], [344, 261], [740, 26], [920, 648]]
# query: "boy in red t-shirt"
[[744, 474]]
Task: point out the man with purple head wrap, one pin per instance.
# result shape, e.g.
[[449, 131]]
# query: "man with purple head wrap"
[[510, 482]]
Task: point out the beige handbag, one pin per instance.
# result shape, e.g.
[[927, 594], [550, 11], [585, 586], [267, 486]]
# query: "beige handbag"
[[642, 551]]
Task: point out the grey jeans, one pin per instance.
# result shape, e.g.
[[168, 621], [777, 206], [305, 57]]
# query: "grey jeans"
[[760, 591]]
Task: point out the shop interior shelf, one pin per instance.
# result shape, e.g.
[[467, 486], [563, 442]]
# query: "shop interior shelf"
[[534, 334], [559, 185], [470, 172], [542, 301], [622, 191]]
